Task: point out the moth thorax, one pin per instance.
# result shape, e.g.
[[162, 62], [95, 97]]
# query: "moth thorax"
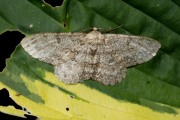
[[94, 37]]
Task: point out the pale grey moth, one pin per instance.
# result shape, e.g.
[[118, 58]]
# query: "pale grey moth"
[[81, 56]]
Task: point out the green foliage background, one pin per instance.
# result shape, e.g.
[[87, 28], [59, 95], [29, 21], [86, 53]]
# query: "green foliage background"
[[150, 84]]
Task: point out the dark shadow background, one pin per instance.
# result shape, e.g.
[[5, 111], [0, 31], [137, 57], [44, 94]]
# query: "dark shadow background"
[[8, 42]]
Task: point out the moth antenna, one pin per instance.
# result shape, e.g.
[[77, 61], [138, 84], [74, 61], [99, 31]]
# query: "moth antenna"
[[87, 29], [108, 31]]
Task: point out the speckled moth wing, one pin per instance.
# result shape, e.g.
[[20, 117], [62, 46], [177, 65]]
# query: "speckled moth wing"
[[53, 48], [80, 56], [131, 50]]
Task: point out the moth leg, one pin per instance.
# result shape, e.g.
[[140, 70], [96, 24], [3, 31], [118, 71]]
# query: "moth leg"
[[70, 72]]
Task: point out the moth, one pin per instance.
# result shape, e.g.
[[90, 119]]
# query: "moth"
[[81, 56]]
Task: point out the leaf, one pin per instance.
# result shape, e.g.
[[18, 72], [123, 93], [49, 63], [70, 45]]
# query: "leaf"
[[150, 90]]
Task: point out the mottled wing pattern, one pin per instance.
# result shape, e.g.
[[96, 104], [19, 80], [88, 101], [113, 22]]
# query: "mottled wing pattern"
[[60, 50], [74, 71], [53, 48], [79, 56], [119, 52], [71, 72], [131, 50]]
